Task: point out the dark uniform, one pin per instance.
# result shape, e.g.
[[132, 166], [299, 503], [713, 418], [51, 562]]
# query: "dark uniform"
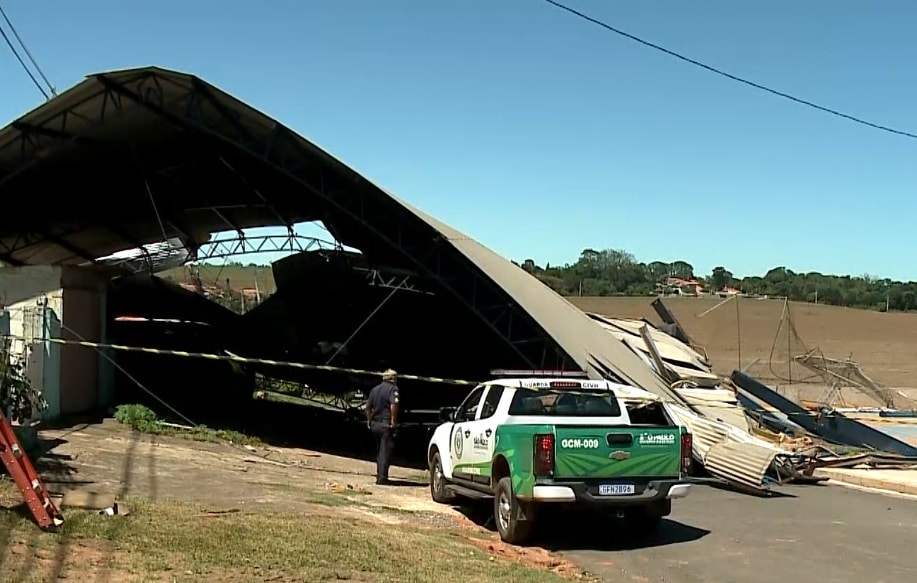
[[379, 402]]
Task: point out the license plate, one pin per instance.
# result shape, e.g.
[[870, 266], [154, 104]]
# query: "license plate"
[[615, 489]]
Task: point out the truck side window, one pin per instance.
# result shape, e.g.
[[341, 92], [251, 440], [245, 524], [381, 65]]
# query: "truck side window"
[[467, 409], [491, 401]]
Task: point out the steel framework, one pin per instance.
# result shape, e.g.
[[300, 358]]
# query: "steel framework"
[[253, 245], [350, 204]]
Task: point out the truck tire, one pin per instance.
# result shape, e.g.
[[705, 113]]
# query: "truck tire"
[[438, 482], [514, 520]]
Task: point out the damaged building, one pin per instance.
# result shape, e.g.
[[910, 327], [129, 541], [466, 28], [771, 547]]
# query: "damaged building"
[[159, 161]]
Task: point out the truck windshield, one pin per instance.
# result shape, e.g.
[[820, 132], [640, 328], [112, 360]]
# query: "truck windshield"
[[565, 403]]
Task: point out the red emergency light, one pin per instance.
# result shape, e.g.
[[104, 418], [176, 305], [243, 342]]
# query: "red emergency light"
[[565, 385]]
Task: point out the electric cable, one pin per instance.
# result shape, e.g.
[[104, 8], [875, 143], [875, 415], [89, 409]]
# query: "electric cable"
[[729, 75], [21, 62], [28, 54]]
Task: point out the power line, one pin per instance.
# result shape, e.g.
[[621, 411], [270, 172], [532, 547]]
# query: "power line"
[[28, 54], [21, 62], [728, 75]]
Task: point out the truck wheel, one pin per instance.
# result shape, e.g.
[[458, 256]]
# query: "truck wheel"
[[438, 482], [514, 521]]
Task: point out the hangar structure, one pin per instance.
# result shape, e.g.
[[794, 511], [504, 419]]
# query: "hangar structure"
[[155, 163], [144, 156]]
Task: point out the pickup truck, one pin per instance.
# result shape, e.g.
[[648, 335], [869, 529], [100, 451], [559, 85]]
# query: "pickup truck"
[[527, 442]]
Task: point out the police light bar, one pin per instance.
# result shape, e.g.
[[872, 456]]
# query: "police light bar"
[[565, 384], [510, 373]]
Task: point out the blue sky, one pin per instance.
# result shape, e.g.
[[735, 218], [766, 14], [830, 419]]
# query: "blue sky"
[[540, 134]]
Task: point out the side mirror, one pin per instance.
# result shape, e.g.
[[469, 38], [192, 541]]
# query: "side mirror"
[[447, 414]]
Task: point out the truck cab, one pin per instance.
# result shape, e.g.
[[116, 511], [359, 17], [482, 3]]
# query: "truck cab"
[[530, 441]]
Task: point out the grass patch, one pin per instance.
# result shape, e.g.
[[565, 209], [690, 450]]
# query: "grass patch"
[[143, 419], [179, 542]]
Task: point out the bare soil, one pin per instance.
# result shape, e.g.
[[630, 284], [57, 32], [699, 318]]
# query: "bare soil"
[[884, 344], [223, 480]]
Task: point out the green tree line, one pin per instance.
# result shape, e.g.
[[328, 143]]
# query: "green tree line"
[[613, 272]]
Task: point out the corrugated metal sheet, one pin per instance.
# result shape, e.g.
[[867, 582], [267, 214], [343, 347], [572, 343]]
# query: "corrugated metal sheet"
[[671, 349], [736, 464], [744, 463], [730, 414]]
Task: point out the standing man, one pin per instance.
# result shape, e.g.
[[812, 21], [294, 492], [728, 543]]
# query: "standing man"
[[382, 420]]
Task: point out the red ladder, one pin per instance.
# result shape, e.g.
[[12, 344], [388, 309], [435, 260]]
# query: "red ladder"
[[23, 473]]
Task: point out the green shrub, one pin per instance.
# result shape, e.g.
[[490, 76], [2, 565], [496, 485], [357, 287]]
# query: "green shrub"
[[139, 418]]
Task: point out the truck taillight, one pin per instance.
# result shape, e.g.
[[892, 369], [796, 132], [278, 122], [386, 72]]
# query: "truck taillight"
[[686, 446], [544, 455]]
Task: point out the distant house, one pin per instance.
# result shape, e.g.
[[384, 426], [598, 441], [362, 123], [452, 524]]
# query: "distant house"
[[679, 286]]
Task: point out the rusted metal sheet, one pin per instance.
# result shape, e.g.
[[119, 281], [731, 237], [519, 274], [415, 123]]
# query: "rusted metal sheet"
[[744, 463]]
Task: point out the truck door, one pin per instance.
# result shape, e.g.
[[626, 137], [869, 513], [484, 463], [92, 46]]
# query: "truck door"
[[465, 416], [480, 435]]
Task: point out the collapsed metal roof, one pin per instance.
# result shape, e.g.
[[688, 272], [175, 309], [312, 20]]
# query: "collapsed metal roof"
[[164, 155], [135, 157]]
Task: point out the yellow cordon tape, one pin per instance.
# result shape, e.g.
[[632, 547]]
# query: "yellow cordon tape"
[[303, 366], [235, 358]]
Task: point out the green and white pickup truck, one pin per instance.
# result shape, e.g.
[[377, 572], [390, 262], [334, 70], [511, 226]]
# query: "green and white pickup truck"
[[526, 442]]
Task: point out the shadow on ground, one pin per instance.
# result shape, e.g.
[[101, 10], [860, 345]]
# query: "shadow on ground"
[[320, 430], [282, 424], [581, 531], [757, 494], [406, 484]]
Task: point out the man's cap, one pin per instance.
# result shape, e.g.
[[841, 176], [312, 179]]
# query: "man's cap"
[[388, 374]]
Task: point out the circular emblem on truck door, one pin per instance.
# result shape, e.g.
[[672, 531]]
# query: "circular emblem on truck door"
[[457, 443]]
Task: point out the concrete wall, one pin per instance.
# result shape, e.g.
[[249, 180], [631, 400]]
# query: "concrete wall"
[[68, 303], [22, 283], [79, 364], [31, 321]]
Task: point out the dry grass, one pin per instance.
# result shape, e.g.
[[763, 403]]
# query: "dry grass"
[[170, 541], [883, 344]]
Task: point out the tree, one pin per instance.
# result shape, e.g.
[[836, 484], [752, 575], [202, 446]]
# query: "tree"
[[658, 271], [617, 272], [720, 278], [683, 269]]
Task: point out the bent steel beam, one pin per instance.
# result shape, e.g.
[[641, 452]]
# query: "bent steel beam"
[[830, 425]]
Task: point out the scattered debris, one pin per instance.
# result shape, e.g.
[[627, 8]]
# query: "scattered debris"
[[747, 434], [827, 423], [847, 372], [874, 460]]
